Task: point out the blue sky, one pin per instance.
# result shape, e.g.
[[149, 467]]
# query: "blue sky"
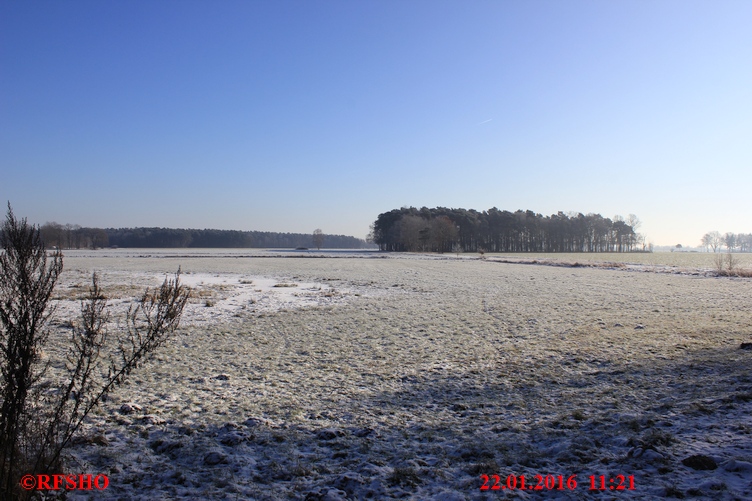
[[296, 115]]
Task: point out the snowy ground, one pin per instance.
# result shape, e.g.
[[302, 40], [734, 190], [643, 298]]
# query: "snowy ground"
[[411, 377]]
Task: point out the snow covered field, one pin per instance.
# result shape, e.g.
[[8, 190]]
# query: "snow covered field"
[[355, 375]]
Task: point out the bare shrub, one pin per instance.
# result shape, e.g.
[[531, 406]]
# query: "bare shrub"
[[727, 265], [731, 262], [41, 413], [26, 283], [719, 263]]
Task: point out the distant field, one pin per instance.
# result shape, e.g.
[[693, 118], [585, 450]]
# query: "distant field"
[[694, 260], [699, 260], [357, 377]]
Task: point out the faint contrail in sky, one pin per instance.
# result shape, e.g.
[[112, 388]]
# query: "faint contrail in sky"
[[485, 121]]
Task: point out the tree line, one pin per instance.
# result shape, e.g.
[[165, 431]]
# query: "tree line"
[[69, 236], [734, 242], [466, 230]]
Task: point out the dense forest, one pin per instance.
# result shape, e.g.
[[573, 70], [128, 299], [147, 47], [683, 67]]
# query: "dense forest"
[[461, 230], [75, 237]]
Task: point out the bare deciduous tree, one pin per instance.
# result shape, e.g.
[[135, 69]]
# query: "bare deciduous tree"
[[318, 238], [634, 222], [410, 228], [444, 233], [712, 239], [706, 239]]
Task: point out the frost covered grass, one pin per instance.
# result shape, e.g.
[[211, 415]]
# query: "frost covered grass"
[[671, 262], [411, 377]]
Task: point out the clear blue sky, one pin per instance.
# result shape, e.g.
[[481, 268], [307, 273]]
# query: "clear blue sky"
[[296, 115]]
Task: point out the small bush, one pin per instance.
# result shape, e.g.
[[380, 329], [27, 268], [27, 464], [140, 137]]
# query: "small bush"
[[727, 265], [579, 415], [484, 467], [404, 475], [673, 492], [656, 437], [41, 414]]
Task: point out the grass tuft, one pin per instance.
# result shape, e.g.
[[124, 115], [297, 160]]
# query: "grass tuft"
[[405, 476]]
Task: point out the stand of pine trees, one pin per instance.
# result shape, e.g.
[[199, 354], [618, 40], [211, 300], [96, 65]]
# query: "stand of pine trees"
[[466, 230]]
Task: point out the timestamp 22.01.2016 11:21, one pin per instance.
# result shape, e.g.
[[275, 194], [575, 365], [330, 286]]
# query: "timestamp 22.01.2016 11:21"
[[557, 482]]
